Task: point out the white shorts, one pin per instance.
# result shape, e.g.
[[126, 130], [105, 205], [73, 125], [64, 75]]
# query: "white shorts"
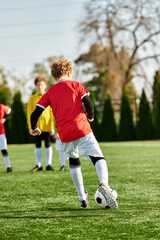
[[59, 145], [3, 142], [85, 146]]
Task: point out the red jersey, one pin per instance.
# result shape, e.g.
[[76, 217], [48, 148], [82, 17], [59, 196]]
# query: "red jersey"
[[3, 110], [65, 99]]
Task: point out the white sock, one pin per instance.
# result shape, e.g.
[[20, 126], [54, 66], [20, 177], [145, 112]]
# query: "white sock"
[[38, 152], [77, 179], [7, 162], [48, 152], [102, 171], [62, 158]]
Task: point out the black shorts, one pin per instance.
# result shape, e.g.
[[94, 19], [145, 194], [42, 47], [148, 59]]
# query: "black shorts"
[[44, 136]]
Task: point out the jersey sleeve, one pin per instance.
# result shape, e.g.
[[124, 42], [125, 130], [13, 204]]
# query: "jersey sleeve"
[[44, 101], [5, 109], [82, 91], [29, 112], [51, 123]]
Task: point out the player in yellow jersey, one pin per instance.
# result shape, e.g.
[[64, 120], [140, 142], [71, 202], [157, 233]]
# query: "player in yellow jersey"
[[45, 123]]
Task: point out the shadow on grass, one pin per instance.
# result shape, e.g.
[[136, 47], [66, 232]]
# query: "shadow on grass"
[[55, 211]]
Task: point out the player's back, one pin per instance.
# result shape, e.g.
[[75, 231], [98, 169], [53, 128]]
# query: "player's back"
[[65, 101]]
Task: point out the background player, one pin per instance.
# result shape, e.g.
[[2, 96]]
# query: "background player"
[[45, 123], [5, 112], [65, 99]]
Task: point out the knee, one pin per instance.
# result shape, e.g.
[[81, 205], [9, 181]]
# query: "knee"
[[74, 162], [4, 152], [47, 145], [38, 145], [96, 159]]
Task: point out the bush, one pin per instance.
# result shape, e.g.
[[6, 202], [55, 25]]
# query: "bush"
[[144, 126], [108, 126], [126, 128]]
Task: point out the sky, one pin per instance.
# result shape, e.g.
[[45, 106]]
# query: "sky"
[[32, 30]]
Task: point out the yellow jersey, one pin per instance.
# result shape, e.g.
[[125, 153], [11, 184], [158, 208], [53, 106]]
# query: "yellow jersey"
[[45, 121]]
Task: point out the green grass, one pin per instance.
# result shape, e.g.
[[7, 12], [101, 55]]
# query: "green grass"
[[44, 205]]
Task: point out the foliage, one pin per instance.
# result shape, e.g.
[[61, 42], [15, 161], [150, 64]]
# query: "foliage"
[[19, 121], [95, 123], [43, 68], [126, 128], [106, 74], [144, 126], [5, 95], [121, 35], [155, 92], [5, 92], [108, 126], [157, 112]]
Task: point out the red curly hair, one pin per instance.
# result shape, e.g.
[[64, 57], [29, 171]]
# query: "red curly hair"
[[60, 68]]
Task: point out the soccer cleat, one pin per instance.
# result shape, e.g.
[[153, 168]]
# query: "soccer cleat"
[[9, 169], [63, 168], [50, 168], [84, 203], [36, 168], [108, 195]]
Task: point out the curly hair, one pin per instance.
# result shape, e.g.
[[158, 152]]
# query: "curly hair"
[[60, 68], [40, 79]]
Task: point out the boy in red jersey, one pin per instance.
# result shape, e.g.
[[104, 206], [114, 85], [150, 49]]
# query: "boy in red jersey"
[[66, 98], [5, 112]]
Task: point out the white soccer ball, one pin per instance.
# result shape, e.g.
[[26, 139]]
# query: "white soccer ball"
[[101, 201]]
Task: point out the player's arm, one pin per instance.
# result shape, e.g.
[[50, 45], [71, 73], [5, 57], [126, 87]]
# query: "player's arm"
[[7, 115], [30, 109], [34, 119], [89, 108], [51, 132]]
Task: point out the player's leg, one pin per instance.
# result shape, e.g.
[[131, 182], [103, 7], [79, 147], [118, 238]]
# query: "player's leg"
[[38, 153], [76, 175], [7, 161], [48, 152], [3, 148], [60, 148], [62, 159], [89, 148], [101, 169]]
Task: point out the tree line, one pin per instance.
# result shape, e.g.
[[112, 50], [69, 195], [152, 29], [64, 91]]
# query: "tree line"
[[146, 126], [106, 127], [122, 37]]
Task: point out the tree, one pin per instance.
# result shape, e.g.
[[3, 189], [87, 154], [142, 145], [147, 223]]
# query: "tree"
[[155, 91], [144, 126], [43, 68], [19, 121], [129, 27], [108, 126], [105, 73], [126, 128], [95, 123], [5, 92], [157, 111]]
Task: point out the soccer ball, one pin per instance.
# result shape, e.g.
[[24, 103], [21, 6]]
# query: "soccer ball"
[[101, 201]]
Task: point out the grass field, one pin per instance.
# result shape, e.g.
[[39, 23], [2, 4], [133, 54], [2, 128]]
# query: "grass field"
[[44, 205]]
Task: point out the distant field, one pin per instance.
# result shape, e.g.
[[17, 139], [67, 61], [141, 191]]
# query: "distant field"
[[44, 205]]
